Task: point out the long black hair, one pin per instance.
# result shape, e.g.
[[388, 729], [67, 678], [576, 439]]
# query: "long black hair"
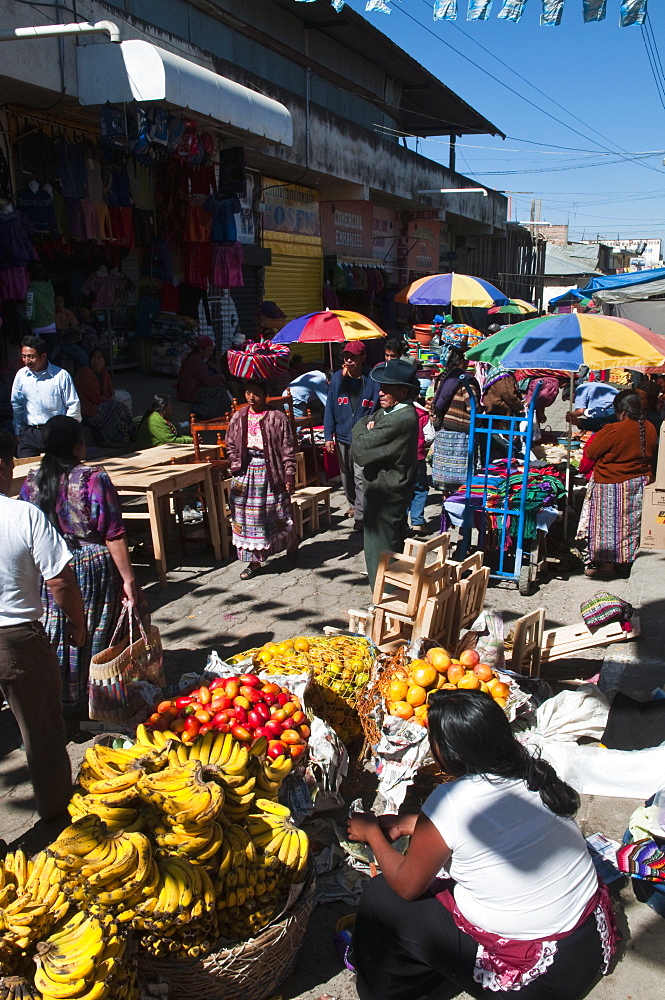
[[159, 403], [627, 401], [470, 734], [60, 435]]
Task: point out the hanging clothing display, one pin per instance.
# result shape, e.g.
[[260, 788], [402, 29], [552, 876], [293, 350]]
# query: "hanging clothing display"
[[478, 10], [37, 203], [227, 261], [16, 228], [232, 172], [512, 10], [633, 12], [552, 12]]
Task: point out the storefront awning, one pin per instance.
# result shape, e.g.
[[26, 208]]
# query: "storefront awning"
[[136, 70]]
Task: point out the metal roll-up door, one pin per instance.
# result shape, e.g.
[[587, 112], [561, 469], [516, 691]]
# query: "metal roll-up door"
[[295, 281]]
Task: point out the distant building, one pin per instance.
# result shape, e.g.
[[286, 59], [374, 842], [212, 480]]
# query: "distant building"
[[644, 253]]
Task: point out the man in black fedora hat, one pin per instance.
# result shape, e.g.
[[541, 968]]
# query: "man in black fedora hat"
[[385, 446]]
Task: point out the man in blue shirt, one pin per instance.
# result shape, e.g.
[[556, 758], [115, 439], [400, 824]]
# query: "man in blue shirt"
[[351, 396], [593, 405], [40, 391], [308, 391]]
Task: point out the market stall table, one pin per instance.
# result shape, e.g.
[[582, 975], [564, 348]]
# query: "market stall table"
[[163, 481]]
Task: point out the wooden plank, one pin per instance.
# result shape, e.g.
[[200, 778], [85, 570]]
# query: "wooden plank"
[[561, 642]]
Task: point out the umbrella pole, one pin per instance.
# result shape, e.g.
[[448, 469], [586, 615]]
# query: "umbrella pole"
[[569, 449], [330, 354]]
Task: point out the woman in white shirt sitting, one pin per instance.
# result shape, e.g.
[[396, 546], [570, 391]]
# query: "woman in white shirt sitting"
[[519, 908]]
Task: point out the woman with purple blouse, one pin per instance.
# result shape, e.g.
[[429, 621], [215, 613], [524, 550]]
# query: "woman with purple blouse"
[[83, 505]]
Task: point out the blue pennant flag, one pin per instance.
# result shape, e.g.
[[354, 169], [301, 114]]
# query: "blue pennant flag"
[[479, 10], [633, 12], [512, 10], [594, 10], [445, 10], [552, 11], [378, 5]]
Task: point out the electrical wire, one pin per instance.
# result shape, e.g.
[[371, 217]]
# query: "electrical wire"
[[653, 55]]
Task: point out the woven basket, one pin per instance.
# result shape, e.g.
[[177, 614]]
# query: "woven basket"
[[251, 970]]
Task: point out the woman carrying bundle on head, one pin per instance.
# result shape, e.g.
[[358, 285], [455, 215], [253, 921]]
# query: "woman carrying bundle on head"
[[261, 450], [623, 454], [520, 909]]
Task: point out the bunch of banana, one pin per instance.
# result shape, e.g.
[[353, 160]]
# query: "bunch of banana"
[[16, 869], [79, 961], [115, 817], [276, 837], [155, 739], [194, 842], [183, 794], [179, 918], [38, 902], [237, 867], [17, 988], [109, 869], [271, 774]]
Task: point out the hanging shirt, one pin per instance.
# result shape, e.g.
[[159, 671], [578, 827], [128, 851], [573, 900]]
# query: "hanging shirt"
[[223, 211]]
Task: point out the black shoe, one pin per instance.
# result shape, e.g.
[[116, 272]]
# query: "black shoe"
[[358, 526]]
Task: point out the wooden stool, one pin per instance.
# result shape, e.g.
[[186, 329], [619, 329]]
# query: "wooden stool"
[[527, 643], [470, 601], [321, 494], [305, 514]]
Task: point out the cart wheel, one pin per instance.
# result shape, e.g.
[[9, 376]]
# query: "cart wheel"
[[525, 581]]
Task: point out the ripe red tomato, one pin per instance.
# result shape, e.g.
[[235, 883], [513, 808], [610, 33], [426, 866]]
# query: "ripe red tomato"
[[289, 708], [297, 750], [220, 702], [251, 694], [262, 731], [283, 697], [204, 695], [262, 709], [241, 702], [218, 682], [203, 716], [298, 717], [164, 706], [205, 728], [254, 719], [183, 702], [270, 697], [274, 727], [240, 715], [279, 714], [192, 725], [276, 749], [271, 689]]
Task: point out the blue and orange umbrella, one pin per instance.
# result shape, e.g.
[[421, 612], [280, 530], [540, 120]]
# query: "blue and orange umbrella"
[[461, 290]]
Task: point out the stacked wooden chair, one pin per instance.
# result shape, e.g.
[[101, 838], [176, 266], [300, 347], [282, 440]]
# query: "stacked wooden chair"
[[421, 593]]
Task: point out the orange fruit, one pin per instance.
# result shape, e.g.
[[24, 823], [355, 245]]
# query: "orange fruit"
[[493, 681], [469, 658], [469, 681], [455, 673], [301, 645], [424, 675], [500, 690], [447, 686], [400, 675], [401, 710], [416, 695], [501, 702], [484, 671], [483, 687], [397, 690], [439, 659], [420, 715]]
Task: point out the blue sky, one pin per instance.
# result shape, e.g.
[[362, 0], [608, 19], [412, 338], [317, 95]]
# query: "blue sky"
[[606, 100]]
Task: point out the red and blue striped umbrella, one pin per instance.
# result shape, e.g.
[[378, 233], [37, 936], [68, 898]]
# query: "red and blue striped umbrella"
[[461, 290]]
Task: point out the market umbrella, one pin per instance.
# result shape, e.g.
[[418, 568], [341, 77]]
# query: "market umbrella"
[[460, 335], [568, 340], [328, 327], [516, 307], [461, 290]]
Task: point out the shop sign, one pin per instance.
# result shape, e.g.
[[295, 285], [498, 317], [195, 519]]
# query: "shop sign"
[[423, 254], [427, 215], [290, 208], [386, 229], [346, 227]]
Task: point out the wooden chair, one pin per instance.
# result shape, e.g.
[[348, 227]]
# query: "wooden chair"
[[466, 567], [469, 601], [405, 571], [527, 643], [217, 426]]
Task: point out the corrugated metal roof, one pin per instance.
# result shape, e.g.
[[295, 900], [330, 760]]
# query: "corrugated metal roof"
[[558, 260]]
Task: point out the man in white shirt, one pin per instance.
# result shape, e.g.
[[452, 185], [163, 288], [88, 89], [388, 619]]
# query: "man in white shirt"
[[30, 678], [40, 391]]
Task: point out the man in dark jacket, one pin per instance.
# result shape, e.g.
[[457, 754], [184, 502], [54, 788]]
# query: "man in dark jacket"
[[385, 445], [351, 396]]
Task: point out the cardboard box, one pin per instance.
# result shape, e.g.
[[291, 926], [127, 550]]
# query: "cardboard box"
[[653, 518], [659, 481]]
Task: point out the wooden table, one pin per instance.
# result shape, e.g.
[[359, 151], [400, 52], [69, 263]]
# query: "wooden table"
[[132, 461], [160, 482]]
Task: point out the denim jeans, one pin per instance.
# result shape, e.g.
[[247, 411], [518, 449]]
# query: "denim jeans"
[[420, 492]]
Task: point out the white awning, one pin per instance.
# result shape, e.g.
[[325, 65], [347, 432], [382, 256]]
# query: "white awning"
[[140, 71]]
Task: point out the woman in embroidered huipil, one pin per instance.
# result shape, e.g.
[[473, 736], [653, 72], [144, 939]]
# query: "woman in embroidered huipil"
[[83, 505]]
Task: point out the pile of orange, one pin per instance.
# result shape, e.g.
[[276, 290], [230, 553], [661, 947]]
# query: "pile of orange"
[[410, 686]]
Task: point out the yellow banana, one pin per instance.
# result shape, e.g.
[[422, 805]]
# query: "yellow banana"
[[221, 749], [240, 764], [144, 736], [273, 808]]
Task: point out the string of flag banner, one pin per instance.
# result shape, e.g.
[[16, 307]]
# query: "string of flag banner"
[[631, 11]]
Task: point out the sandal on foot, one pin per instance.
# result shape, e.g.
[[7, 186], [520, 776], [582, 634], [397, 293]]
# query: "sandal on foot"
[[253, 569]]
